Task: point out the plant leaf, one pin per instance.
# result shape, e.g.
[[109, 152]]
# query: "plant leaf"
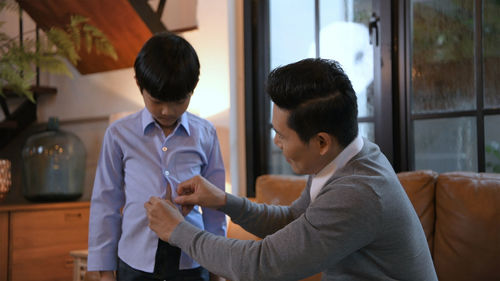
[[64, 44], [17, 63], [77, 20]]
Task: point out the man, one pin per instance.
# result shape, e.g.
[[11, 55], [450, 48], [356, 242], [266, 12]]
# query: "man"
[[353, 220]]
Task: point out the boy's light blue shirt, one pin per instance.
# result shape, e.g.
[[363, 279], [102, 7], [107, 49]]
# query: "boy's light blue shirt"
[[137, 161]]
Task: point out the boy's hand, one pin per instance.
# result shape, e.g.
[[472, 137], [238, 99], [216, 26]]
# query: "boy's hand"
[[199, 191], [107, 276]]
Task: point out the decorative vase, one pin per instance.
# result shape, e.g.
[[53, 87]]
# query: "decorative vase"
[[5, 178], [54, 165]]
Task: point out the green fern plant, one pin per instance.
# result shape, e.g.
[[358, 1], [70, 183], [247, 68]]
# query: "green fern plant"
[[18, 62]]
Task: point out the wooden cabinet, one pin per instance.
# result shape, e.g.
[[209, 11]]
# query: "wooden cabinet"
[[39, 239], [4, 245]]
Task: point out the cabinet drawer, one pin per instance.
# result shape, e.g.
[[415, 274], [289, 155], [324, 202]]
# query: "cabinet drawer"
[[41, 242]]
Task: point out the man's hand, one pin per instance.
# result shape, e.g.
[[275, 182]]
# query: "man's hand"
[[163, 215], [199, 191]]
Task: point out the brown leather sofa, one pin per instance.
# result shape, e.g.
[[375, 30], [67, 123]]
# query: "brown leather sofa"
[[459, 211]]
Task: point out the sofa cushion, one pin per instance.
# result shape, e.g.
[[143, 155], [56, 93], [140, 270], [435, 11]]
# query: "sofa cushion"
[[467, 236], [420, 187], [237, 232], [278, 189]]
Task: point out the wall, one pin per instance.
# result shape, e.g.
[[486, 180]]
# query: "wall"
[[84, 102], [237, 89]]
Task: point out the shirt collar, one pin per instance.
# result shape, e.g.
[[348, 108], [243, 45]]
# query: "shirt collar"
[[148, 120], [319, 179], [185, 123], [344, 156]]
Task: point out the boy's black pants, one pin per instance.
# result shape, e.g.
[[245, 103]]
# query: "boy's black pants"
[[127, 273], [166, 268]]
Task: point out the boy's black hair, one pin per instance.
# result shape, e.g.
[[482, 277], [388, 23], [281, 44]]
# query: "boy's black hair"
[[319, 96], [167, 67]]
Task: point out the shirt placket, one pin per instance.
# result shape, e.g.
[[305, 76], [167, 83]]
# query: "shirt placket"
[[167, 152]]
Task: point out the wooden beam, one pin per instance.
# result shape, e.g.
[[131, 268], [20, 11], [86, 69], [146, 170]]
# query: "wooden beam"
[[148, 16], [161, 6]]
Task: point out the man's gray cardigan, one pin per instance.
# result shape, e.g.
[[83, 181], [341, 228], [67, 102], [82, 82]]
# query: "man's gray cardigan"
[[361, 226]]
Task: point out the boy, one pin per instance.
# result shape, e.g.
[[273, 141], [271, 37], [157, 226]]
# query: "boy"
[[149, 153]]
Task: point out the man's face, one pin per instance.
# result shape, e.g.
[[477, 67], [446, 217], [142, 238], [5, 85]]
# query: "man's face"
[[165, 113], [303, 157]]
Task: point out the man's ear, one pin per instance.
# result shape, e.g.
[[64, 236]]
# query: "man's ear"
[[324, 141]]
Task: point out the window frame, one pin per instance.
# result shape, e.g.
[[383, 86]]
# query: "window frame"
[[406, 152], [256, 50]]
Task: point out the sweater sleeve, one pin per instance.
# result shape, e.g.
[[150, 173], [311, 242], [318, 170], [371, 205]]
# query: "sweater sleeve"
[[262, 219], [339, 222], [258, 219]]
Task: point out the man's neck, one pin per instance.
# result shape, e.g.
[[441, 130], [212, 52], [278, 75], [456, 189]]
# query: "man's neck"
[[327, 159], [341, 155]]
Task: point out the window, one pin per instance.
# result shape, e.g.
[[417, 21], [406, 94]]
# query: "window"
[[453, 49]]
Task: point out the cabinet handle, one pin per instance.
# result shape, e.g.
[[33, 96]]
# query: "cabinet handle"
[[72, 216]]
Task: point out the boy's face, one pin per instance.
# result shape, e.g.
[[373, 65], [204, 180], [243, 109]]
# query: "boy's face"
[[165, 113], [303, 157]]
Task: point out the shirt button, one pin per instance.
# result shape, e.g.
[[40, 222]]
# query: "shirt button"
[[164, 148], [166, 173]]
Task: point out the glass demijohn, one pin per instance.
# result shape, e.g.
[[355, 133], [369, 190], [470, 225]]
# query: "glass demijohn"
[[54, 165]]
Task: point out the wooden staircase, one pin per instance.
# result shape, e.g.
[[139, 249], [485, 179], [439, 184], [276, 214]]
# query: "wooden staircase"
[[24, 115], [126, 23]]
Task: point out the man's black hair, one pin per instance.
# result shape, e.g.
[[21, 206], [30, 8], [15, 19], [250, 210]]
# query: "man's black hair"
[[167, 67], [319, 96]]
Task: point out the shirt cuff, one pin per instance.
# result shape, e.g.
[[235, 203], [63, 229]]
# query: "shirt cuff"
[[101, 262]]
